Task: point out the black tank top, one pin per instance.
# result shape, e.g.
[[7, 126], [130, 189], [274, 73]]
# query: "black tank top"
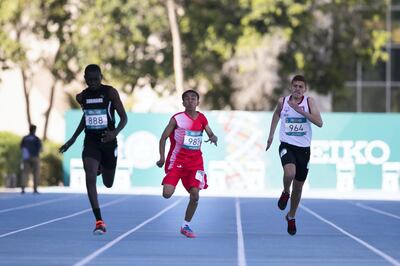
[[98, 111]]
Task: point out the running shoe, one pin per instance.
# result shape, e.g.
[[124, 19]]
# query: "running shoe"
[[283, 200], [186, 231], [100, 228], [291, 226]]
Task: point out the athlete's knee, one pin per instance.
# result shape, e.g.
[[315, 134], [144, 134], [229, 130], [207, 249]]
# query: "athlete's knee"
[[297, 187], [297, 190], [90, 180], [168, 191], [289, 171], [194, 196], [289, 176], [108, 185], [108, 181], [167, 195]]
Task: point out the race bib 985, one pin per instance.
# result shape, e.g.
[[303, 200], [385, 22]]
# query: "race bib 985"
[[192, 140]]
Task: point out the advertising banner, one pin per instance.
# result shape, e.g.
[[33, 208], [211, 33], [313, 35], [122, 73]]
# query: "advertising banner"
[[350, 152]]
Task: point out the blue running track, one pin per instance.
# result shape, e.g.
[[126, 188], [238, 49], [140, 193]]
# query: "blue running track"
[[56, 229]]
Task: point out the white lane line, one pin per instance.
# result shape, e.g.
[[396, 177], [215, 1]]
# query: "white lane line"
[[385, 256], [36, 204], [240, 248], [61, 218], [93, 255], [377, 211]]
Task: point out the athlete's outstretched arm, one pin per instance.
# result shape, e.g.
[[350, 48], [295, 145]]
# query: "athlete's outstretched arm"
[[72, 140], [119, 107], [166, 133], [211, 137], [274, 122]]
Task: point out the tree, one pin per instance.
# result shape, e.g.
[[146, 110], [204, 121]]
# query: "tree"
[[129, 39], [226, 46], [54, 24], [14, 23], [24, 25], [210, 31], [324, 38], [176, 45]]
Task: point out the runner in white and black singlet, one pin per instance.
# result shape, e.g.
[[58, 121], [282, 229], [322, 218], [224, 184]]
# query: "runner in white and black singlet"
[[99, 155], [296, 113]]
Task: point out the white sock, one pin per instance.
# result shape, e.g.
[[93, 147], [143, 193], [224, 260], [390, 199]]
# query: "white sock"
[[185, 223], [290, 217]]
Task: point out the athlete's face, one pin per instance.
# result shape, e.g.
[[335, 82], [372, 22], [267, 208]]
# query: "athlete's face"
[[93, 79], [298, 89], [190, 101]]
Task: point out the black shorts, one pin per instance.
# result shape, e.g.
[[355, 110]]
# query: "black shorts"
[[299, 156], [105, 153]]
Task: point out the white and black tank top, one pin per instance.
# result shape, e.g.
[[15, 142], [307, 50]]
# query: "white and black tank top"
[[295, 129]]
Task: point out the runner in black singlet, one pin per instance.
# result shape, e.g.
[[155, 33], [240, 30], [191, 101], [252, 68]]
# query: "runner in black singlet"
[[99, 155]]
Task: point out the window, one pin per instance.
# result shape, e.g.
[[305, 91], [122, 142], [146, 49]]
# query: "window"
[[375, 72], [373, 99], [395, 99], [396, 27], [345, 101], [395, 64]]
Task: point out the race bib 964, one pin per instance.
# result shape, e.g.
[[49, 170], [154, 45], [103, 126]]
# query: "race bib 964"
[[294, 126]]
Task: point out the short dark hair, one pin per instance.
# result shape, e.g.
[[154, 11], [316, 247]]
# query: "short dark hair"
[[299, 78], [32, 128], [92, 68], [190, 91]]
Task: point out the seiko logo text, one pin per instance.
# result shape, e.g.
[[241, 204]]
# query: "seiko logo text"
[[359, 152]]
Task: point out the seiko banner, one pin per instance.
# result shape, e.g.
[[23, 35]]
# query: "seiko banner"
[[350, 152]]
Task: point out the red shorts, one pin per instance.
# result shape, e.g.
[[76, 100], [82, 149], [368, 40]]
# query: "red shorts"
[[189, 177]]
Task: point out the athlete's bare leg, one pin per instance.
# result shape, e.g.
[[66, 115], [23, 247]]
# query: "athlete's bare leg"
[[108, 176], [289, 172], [168, 191], [193, 202], [295, 197], [91, 165]]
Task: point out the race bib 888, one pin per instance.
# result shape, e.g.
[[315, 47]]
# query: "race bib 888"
[[96, 118]]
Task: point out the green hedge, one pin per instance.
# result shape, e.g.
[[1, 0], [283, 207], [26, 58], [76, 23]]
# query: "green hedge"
[[10, 156], [10, 161]]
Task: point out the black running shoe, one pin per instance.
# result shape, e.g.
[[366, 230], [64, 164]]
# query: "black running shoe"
[[291, 226], [283, 200]]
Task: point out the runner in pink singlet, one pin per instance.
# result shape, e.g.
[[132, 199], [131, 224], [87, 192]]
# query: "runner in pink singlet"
[[185, 161]]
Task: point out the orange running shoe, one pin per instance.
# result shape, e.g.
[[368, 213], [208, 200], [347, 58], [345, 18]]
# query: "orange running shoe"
[[100, 228]]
